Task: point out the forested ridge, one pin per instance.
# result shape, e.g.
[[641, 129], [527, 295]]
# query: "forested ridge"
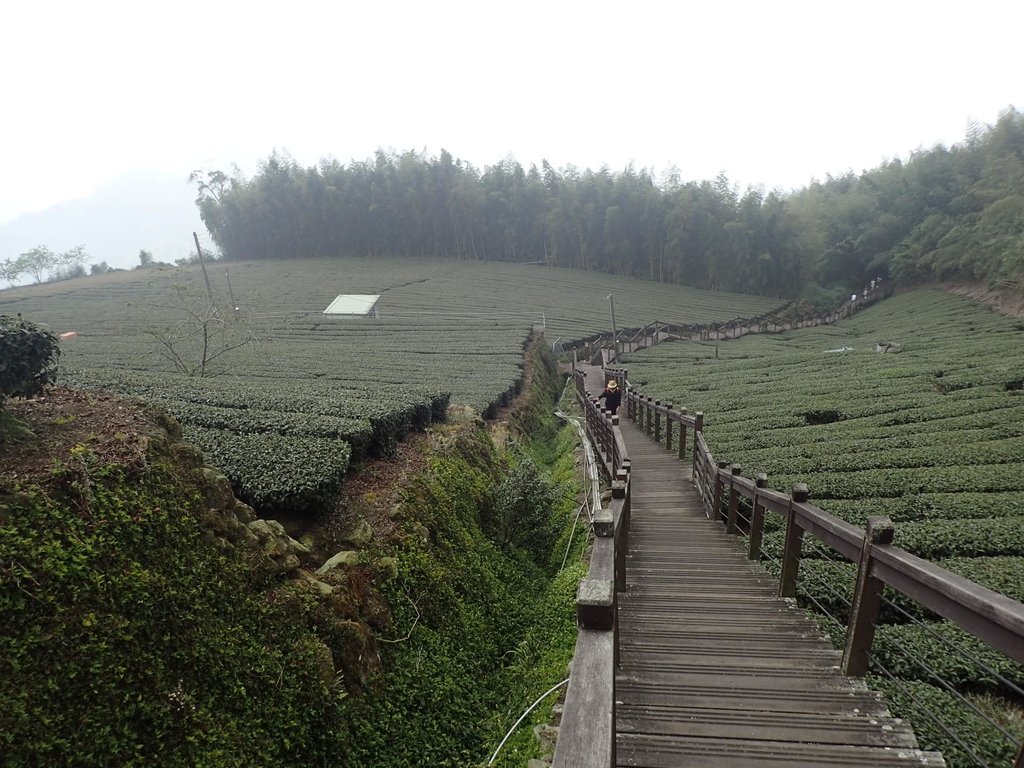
[[945, 213]]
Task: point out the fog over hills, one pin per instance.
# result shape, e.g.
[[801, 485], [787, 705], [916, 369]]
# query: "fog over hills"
[[145, 210]]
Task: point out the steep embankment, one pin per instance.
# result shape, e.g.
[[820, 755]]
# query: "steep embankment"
[[483, 611], [146, 619], [1007, 300], [152, 620]]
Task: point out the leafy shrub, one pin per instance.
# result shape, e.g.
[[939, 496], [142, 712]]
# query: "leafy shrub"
[[520, 514], [28, 357], [459, 605], [130, 638]]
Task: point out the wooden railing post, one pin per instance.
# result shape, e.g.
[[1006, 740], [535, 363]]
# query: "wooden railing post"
[[648, 421], [682, 435], [716, 508], [606, 434], [734, 501], [616, 459], [697, 427], [595, 604], [867, 600], [621, 535], [794, 541], [757, 520], [657, 421], [668, 427]]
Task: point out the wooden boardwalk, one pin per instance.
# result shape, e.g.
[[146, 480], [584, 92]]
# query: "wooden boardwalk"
[[715, 669]]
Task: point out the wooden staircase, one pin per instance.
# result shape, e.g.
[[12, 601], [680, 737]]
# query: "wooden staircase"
[[715, 668]]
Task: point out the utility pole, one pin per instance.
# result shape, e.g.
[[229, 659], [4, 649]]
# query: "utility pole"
[[231, 293], [615, 333], [206, 277]]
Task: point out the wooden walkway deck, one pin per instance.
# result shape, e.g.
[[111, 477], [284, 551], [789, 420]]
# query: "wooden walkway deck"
[[715, 669]]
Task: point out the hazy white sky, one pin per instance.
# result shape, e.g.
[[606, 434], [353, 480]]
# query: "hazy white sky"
[[772, 93]]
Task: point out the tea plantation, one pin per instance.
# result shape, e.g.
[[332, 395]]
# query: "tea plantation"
[[930, 433], [304, 393]]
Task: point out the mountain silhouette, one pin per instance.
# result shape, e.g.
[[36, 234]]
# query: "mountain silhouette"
[[143, 210]]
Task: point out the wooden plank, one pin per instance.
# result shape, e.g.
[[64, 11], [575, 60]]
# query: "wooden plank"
[[586, 736]]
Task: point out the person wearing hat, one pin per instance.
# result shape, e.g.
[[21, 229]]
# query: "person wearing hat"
[[612, 396]]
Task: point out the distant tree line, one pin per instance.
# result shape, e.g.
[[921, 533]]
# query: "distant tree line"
[[946, 213], [45, 266], [42, 264]]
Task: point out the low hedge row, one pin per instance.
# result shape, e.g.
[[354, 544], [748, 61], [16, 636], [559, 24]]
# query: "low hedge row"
[[933, 711], [930, 506], [277, 473], [247, 421], [844, 457], [987, 478], [930, 540], [918, 652]]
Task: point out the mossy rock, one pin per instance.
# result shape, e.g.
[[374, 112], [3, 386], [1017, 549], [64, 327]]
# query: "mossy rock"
[[217, 489], [346, 558], [359, 536]]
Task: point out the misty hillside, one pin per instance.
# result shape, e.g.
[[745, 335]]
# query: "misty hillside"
[[143, 210]]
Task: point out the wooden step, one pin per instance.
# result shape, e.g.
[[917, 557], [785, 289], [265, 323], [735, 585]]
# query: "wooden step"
[[650, 751], [764, 694], [815, 727]]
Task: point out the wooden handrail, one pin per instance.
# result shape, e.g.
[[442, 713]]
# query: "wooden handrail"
[[586, 736], [988, 615], [991, 617]]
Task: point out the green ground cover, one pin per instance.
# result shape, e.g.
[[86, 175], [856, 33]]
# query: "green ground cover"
[[318, 392], [929, 434]]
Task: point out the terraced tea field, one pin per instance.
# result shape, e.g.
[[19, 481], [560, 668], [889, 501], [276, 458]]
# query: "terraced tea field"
[[287, 413], [930, 433]]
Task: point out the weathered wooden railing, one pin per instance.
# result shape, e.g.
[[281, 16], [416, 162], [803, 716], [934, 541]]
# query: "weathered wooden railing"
[[784, 319], [586, 736], [659, 419], [993, 618]]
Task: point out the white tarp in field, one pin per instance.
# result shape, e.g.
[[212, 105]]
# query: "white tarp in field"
[[352, 304]]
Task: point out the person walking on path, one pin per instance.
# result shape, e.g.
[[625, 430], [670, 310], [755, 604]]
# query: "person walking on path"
[[612, 396]]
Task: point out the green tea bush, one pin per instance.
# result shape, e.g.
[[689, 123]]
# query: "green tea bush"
[[28, 357], [1002, 574], [277, 473], [921, 651], [243, 421], [935, 713], [958, 538]]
